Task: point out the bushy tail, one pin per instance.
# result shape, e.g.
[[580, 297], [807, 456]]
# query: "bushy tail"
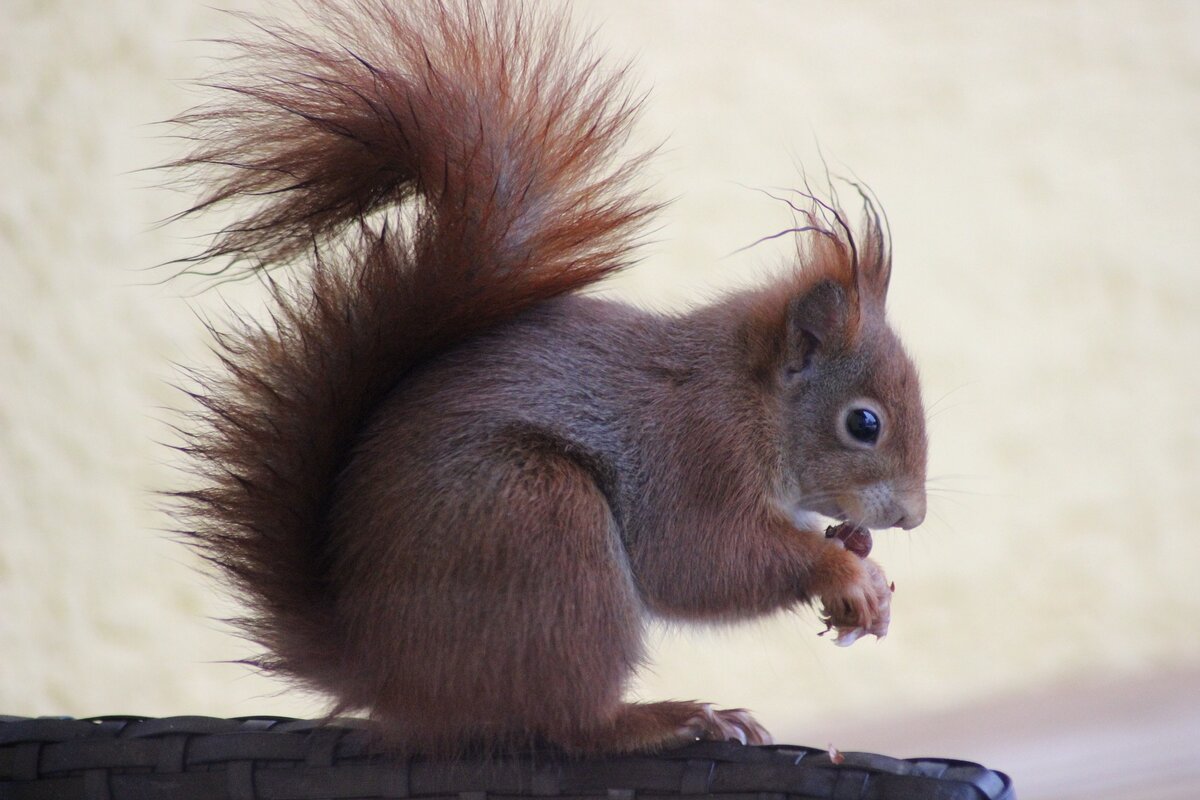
[[442, 168]]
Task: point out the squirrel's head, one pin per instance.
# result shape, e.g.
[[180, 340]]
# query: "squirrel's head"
[[852, 417]]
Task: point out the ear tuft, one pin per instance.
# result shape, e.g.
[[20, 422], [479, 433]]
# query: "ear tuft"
[[873, 253]]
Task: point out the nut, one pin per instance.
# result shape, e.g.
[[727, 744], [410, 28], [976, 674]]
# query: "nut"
[[856, 538]]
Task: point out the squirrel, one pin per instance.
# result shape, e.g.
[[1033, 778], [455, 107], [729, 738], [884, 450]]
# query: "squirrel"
[[450, 484]]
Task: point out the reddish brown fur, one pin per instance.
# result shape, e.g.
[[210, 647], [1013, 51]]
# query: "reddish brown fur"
[[449, 487]]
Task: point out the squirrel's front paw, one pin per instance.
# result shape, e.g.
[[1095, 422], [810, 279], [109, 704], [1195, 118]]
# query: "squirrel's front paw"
[[856, 599]]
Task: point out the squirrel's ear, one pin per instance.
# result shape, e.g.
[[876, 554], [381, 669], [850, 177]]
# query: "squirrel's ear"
[[817, 318]]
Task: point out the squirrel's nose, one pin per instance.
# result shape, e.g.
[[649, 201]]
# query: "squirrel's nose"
[[912, 510]]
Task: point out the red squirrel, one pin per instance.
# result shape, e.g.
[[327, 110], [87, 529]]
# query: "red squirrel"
[[450, 485]]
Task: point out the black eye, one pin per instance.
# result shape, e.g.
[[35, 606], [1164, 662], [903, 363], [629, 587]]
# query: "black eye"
[[863, 425]]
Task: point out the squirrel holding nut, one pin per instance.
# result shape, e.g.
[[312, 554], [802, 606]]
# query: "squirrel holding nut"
[[449, 483]]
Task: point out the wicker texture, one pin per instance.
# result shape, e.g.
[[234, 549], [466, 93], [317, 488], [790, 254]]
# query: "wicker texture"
[[190, 758]]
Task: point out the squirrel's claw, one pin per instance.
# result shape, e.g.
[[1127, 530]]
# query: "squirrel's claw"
[[724, 725], [860, 609]]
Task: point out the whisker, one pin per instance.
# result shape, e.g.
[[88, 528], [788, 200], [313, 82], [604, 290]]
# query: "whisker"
[[955, 476], [942, 519], [947, 394], [946, 491], [958, 502]]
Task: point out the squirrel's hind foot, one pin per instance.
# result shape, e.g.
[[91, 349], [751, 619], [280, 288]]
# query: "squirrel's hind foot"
[[652, 727]]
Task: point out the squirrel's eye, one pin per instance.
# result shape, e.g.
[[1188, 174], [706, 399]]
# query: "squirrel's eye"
[[863, 425]]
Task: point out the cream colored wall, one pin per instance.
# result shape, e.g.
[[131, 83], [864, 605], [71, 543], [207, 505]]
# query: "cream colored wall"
[[1040, 165]]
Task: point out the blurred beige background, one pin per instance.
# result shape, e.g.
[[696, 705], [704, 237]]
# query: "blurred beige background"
[[1040, 164]]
